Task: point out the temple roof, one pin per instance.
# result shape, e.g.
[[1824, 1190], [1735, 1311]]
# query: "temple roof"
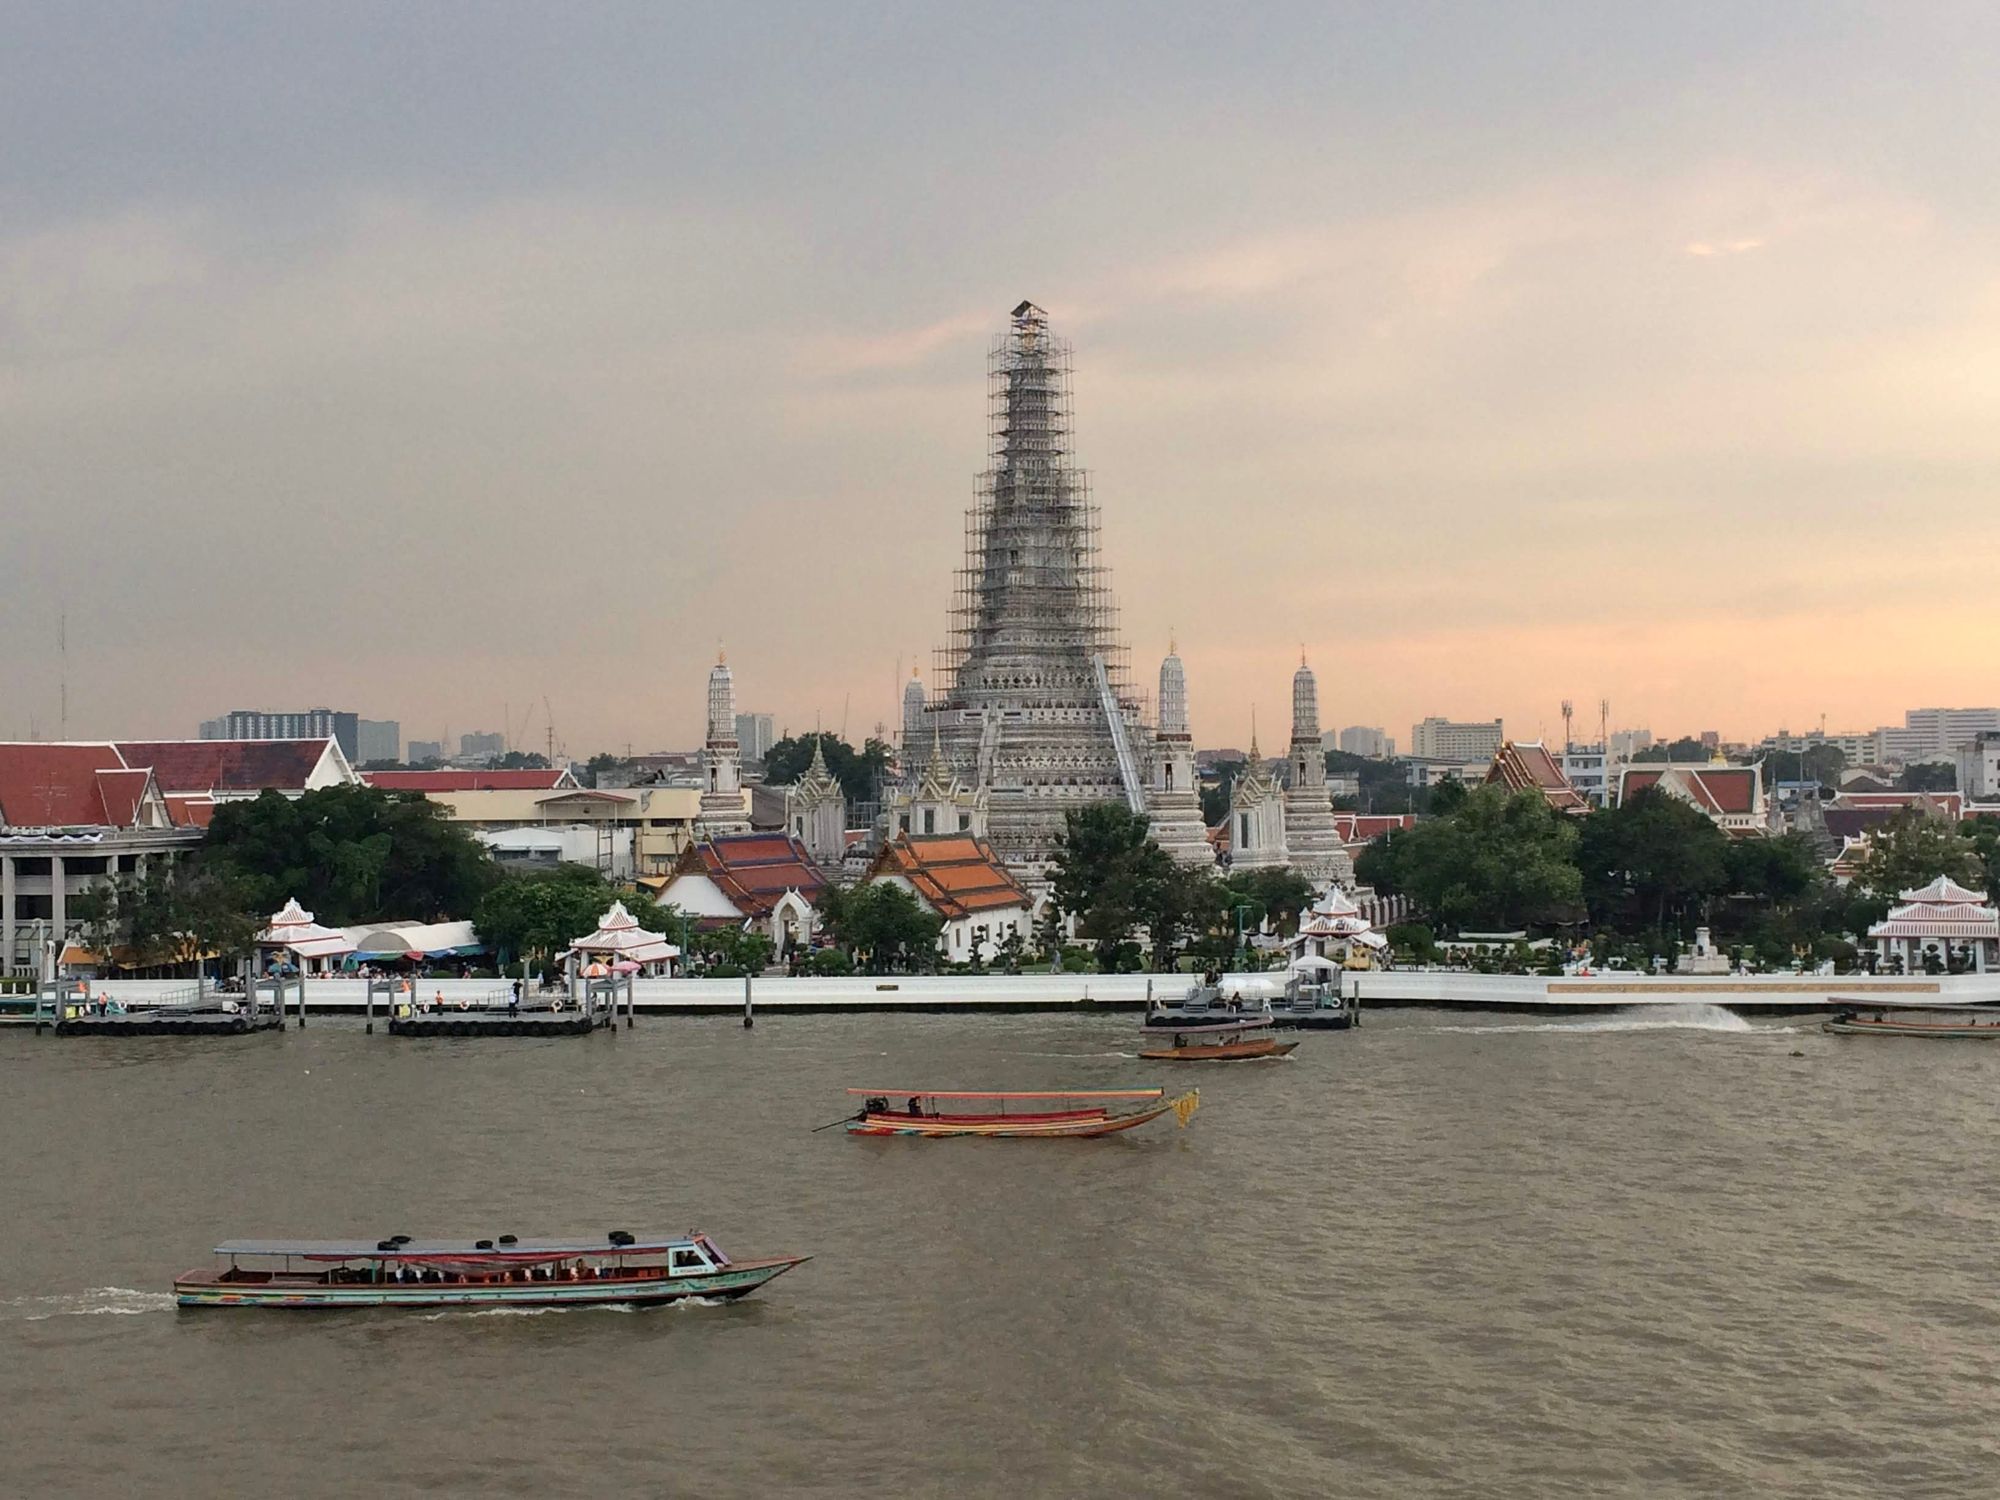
[[68, 786], [755, 870], [543, 780], [197, 767], [1529, 767], [956, 874], [1716, 790]]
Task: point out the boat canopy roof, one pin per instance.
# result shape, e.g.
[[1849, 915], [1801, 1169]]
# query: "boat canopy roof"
[[642, 1244], [1038, 1094]]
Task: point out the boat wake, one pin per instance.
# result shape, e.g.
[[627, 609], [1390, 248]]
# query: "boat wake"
[[454, 1314], [117, 1301], [1692, 1017]]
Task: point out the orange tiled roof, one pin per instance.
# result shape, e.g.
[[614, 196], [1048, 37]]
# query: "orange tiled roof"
[[956, 874], [754, 870], [65, 786], [203, 767], [1530, 768]]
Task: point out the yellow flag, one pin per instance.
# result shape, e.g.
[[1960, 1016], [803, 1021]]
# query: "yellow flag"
[[1186, 1105]]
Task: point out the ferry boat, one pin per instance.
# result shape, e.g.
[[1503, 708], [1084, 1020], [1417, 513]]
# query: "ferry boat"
[[1210, 1003], [1047, 1114], [1232, 1041], [624, 1268], [1313, 1000]]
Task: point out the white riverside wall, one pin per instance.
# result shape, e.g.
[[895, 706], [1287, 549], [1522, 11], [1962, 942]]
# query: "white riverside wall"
[[1001, 993]]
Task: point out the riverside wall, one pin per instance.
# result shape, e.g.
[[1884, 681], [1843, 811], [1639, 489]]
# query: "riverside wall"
[[1000, 993]]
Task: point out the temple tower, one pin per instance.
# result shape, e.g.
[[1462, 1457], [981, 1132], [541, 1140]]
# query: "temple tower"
[[1310, 833], [913, 727], [721, 759], [1257, 817], [1031, 705], [1173, 796], [816, 811]]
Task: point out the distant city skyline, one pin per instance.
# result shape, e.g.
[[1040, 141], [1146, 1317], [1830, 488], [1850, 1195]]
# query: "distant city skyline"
[[1499, 354]]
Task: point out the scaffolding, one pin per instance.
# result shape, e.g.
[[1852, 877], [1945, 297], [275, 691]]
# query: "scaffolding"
[[1032, 603]]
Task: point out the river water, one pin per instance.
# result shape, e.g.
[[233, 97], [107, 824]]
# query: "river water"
[[1445, 1255]]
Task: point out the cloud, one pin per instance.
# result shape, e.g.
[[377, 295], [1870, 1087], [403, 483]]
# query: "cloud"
[[1729, 247]]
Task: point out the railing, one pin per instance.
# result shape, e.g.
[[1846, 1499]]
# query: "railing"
[[1114, 717]]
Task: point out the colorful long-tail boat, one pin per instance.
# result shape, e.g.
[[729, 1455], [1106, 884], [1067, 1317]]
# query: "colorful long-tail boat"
[[1043, 1114]]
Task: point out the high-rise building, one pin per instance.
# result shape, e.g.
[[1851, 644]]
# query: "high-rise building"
[[1940, 731], [1626, 743], [423, 750], [481, 746], [1360, 739], [1031, 706], [1454, 740], [301, 724], [377, 739], [753, 737]]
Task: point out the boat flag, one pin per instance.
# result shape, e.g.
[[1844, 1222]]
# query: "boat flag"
[[1186, 1105]]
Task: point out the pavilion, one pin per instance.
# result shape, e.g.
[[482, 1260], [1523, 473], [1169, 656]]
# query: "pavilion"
[[294, 931], [1942, 919], [622, 945]]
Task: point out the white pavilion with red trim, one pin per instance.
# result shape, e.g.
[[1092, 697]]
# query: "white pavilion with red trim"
[[1944, 919], [293, 930], [620, 941]]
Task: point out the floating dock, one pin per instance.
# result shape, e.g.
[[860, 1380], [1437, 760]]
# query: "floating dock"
[[208, 1020], [523, 1022]]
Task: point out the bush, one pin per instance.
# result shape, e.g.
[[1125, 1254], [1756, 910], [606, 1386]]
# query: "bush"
[[1415, 941], [830, 962]]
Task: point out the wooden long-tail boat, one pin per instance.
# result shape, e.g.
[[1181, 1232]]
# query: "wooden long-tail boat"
[[1935, 1025], [1048, 1114], [1229, 1042], [627, 1269]]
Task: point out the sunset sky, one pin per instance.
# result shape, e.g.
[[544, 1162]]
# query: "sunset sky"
[[427, 360]]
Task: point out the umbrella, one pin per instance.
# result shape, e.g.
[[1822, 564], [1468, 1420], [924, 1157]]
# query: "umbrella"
[[624, 966]]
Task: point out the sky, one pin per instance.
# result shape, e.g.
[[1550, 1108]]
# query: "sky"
[[439, 361]]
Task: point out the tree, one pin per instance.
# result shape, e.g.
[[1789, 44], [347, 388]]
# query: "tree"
[[1500, 861], [1928, 776], [1651, 863], [351, 854], [1110, 876], [176, 914], [1277, 894], [537, 914], [1187, 903], [1684, 750], [595, 768], [522, 760], [1912, 850], [882, 924], [1821, 763], [859, 772]]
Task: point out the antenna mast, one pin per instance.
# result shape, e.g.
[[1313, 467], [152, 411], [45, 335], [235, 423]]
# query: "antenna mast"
[[1569, 708]]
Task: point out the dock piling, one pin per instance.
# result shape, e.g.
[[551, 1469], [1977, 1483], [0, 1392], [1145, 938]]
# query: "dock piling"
[[749, 1020]]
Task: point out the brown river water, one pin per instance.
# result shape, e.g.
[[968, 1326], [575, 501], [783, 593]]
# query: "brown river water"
[[1449, 1254]]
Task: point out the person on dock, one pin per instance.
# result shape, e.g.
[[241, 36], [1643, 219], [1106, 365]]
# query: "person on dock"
[[514, 999]]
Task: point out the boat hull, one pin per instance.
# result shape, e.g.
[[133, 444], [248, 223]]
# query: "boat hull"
[[1314, 1020], [205, 1290], [1074, 1125], [1944, 1031], [1221, 1052]]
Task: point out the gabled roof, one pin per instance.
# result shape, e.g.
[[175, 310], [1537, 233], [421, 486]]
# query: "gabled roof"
[[204, 767], [67, 786], [955, 874], [1935, 804], [545, 780], [1528, 767], [1716, 790], [755, 870]]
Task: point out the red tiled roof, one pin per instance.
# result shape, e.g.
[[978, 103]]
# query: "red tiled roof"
[[1530, 768], [754, 870], [956, 874], [470, 781], [1943, 804], [122, 793], [202, 767], [57, 786], [1361, 828], [190, 812], [1714, 789]]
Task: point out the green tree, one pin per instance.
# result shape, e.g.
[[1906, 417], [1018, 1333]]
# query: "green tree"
[[859, 772], [176, 914], [1110, 876], [522, 760], [883, 925], [1821, 763], [1684, 750], [1652, 862], [537, 914], [1215, 798], [351, 854], [1929, 776], [1912, 850], [1499, 862], [1277, 894]]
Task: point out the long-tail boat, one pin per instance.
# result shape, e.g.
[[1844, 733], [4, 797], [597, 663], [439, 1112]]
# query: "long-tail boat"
[[1228, 1042], [1935, 1025], [1045, 1114], [625, 1268]]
